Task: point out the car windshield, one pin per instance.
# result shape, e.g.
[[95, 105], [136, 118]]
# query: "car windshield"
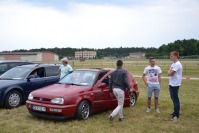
[[79, 77], [15, 73]]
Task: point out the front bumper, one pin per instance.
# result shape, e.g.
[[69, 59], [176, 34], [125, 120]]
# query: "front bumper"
[[67, 111]]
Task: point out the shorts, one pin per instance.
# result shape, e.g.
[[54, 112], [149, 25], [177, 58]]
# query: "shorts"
[[155, 88]]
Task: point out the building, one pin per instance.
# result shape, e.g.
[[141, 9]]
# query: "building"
[[137, 55], [30, 56], [85, 54]]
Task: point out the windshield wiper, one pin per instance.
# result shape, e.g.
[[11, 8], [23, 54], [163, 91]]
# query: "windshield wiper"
[[73, 84]]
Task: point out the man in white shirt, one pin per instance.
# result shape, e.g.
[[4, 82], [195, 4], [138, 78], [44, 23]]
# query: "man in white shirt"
[[152, 79], [175, 79]]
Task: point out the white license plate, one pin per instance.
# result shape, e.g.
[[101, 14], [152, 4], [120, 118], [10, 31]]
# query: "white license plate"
[[39, 108]]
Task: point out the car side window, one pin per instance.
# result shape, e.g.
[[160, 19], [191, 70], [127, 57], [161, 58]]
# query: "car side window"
[[3, 68], [51, 71], [102, 75], [107, 80], [40, 72]]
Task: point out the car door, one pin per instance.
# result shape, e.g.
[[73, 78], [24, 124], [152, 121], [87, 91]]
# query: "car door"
[[101, 93], [37, 83], [111, 101]]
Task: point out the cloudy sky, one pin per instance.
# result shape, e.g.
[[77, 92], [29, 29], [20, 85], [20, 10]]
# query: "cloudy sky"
[[26, 24]]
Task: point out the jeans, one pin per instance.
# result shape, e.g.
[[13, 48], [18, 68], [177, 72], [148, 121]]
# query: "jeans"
[[119, 94], [176, 102]]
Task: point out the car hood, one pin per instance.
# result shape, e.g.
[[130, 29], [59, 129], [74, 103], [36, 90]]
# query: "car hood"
[[59, 90], [5, 83]]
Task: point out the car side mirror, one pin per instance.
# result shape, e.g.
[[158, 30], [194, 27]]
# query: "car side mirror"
[[102, 85], [30, 77]]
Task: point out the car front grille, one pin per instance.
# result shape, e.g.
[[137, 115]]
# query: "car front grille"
[[43, 100]]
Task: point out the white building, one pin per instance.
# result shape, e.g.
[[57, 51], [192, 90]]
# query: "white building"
[[85, 54]]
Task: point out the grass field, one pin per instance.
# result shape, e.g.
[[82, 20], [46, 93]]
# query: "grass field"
[[136, 120]]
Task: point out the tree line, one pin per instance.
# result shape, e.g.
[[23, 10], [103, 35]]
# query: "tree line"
[[184, 47]]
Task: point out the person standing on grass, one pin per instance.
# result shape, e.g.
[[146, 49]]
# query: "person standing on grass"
[[65, 68], [118, 84], [175, 79], [152, 78]]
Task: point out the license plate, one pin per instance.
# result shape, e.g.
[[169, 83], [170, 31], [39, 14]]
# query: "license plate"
[[39, 108]]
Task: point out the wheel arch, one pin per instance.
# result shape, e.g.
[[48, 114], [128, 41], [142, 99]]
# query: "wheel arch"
[[18, 89], [89, 101]]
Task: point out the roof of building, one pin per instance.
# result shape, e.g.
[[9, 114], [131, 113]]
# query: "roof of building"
[[2, 61], [22, 53]]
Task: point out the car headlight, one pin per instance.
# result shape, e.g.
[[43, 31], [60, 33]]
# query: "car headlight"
[[57, 101], [30, 97]]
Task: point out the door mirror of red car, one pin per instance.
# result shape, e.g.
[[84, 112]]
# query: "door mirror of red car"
[[102, 85]]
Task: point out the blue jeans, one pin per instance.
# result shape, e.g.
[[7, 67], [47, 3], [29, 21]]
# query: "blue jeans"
[[176, 102]]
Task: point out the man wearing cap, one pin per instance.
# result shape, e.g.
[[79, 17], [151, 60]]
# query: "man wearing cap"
[[65, 68]]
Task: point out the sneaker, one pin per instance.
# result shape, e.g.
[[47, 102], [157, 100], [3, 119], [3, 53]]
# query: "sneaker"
[[110, 118], [174, 118], [148, 110], [121, 119], [157, 110]]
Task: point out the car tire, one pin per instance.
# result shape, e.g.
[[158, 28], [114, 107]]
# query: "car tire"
[[83, 110], [132, 99], [13, 100]]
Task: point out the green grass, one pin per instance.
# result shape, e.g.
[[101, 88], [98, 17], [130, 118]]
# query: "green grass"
[[136, 120]]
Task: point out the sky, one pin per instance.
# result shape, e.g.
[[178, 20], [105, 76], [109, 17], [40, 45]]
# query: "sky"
[[28, 24]]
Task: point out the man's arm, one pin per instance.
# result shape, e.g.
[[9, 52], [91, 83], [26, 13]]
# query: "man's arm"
[[70, 69], [144, 79], [171, 72], [174, 69], [126, 81]]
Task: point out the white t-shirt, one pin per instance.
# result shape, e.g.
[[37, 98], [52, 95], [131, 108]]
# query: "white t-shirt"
[[176, 79], [152, 74]]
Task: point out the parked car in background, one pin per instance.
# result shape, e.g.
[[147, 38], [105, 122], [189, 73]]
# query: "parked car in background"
[[79, 94], [18, 82], [5, 65]]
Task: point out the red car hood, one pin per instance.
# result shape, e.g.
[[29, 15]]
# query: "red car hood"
[[59, 90]]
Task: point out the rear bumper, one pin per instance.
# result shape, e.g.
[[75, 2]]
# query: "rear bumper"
[[67, 111]]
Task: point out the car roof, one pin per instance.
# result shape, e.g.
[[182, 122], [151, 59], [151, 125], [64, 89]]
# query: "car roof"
[[5, 61], [38, 65]]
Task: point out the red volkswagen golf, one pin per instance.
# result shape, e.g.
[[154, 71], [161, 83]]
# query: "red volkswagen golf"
[[79, 94]]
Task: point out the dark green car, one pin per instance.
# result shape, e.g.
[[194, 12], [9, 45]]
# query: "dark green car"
[[5, 65]]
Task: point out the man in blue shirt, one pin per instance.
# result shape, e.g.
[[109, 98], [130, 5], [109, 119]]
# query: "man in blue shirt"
[[65, 68]]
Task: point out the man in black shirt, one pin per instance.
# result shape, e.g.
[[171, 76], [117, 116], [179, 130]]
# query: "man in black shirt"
[[118, 84]]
